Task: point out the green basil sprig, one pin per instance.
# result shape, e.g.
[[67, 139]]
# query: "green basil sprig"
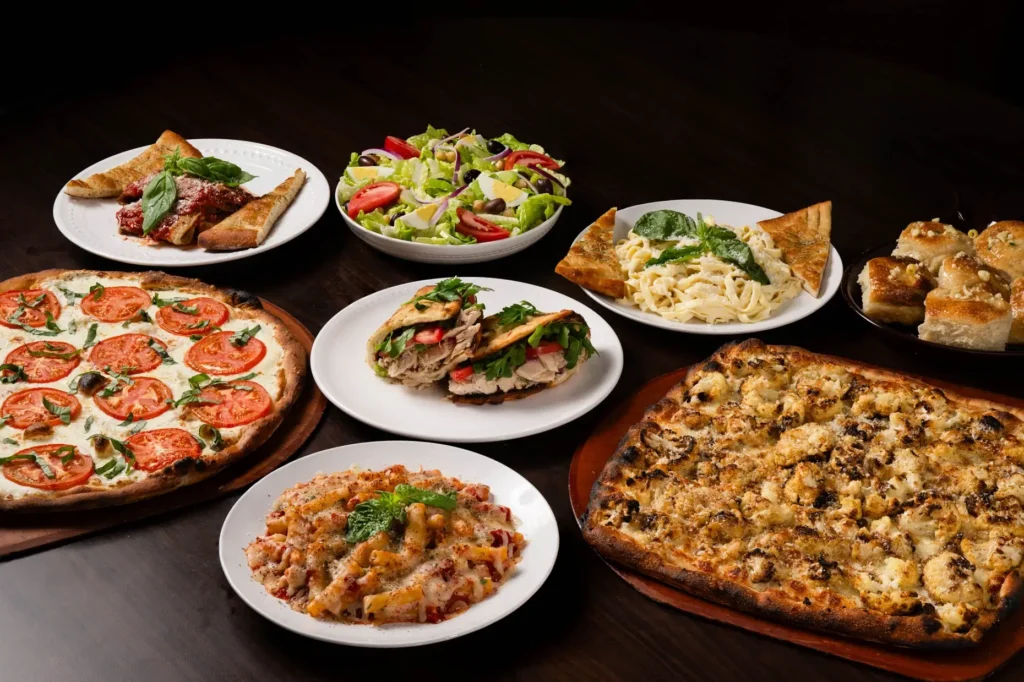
[[381, 513], [157, 200], [208, 168]]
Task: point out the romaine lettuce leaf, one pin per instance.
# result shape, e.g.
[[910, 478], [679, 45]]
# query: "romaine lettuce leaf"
[[537, 209]]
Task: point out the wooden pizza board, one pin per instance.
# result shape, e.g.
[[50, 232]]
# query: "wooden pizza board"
[[995, 649], [23, 532]]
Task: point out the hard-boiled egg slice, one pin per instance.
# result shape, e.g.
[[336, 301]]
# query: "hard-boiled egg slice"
[[420, 218], [364, 173], [494, 188]]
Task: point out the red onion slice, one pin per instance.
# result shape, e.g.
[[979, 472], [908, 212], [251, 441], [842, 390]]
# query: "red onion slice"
[[502, 155], [381, 152], [452, 137], [458, 191], [549, 176], [438, 213]]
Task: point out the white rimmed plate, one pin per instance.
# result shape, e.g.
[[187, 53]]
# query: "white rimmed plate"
[[247, 520], [728, 213], [90, 223], [448, 253], [338, 362]]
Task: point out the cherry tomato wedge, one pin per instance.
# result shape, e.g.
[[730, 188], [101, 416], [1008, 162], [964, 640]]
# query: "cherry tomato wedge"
[[528, 158], [62, 475], [543, 349], [475, 226], [428, 336], [373, 196], [397, 145], [461, 373]]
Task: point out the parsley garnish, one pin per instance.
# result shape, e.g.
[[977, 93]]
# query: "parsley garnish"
[[381, 513], [502, 364], [447, 291]]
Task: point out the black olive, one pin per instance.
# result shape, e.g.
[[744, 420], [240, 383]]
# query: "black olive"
[[470, 175], [90, 382], [494, 206], [495, 147], [367, 160], [395, 217], [543, 186]]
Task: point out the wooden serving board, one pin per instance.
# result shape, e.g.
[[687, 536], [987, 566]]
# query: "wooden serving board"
[[995, 649], [23, 532]]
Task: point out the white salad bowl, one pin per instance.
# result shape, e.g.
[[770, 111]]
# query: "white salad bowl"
[[447, 253]]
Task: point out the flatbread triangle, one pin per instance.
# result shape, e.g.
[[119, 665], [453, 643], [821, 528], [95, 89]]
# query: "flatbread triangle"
[[804, 238]]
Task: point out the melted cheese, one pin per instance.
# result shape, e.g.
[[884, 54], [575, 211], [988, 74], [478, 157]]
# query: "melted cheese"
[[76, 325]]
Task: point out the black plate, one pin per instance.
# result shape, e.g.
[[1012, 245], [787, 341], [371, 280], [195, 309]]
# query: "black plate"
[[907, 334]]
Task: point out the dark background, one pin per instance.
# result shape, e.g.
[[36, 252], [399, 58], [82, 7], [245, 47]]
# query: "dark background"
[[894, 111]]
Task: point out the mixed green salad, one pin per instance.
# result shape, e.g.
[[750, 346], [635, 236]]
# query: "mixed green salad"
[[461, 188]]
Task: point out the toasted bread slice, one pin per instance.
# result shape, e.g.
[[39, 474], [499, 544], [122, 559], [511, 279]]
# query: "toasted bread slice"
[[804, 238], [112, 182], [591, 262], [248, 226]]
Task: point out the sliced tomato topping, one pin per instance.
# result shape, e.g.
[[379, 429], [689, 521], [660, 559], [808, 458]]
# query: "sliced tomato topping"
[[26, 470], [475, 226], [26, 408], [216, 354], [428, 336], [543, 349], [195, 316], [372, 197], [232, 404], [397, 145], [528, 158], [461, 374], [128, 353], [144, 398], [27, 306], [115, 304], [158, 449], [44, 361]]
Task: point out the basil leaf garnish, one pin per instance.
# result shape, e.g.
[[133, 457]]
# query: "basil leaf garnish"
[[157, 200]]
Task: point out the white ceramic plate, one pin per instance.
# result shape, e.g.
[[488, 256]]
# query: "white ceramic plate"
[[443, 253], [90, 223], [728, 213], [247, 520], [339, 366]]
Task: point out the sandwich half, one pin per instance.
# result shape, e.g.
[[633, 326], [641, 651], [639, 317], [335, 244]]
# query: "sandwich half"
[[522, 351], [431, 334]]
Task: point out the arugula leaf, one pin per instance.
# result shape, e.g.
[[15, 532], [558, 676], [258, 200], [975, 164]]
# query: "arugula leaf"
[[157, 200], [187, 309], [447, 291], [97, 290], [571, 336], [241, 338], [446, 501], [70, 296], [677, 254], [161, 351], [141, 316], [59, 411], [164, 302], [17, 373], [664, 225], [34, 456], [503, 364], [739, 254], [90, 336], [395, 345], [516, 314]]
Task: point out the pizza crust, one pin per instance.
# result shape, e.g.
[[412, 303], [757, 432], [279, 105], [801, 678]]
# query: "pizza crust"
[[183, 472], [923, 630]]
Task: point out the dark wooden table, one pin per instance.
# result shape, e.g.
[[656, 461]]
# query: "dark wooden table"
[[642, 112]]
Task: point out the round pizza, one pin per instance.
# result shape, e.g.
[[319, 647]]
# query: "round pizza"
[[117, 386]]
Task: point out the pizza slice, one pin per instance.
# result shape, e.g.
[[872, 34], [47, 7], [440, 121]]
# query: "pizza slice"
[[250, 225], [803, 237], [112, 183], [591, 262]]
